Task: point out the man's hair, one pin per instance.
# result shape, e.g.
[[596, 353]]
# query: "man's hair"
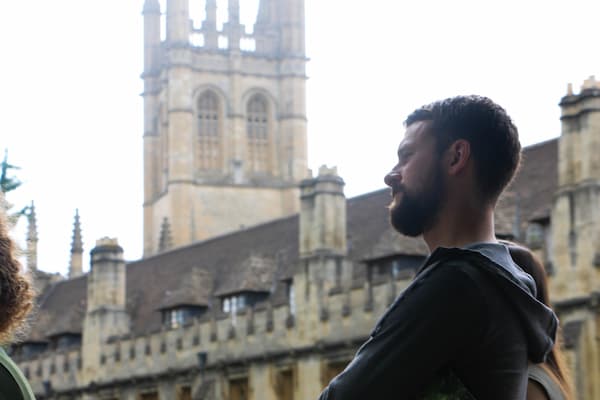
[[493, 137]]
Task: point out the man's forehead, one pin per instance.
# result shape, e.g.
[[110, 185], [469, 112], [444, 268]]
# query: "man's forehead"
[[415, 133]]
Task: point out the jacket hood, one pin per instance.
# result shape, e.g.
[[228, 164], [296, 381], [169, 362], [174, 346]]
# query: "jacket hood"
[[538, 321]]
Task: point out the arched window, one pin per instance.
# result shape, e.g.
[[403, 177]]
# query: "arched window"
[[209, 144], [258, 134]]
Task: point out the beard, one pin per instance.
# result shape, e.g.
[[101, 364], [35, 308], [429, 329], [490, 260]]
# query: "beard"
[[415, 213]]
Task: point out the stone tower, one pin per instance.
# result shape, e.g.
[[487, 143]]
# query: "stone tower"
[[576, 213], [106, 316], [322, 247], [576, 234], [224, 119]]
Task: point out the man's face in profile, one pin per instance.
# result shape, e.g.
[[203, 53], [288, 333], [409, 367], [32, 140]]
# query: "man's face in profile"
[[416, 181]]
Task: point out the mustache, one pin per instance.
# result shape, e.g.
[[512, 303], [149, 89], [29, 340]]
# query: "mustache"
[[397, 188]]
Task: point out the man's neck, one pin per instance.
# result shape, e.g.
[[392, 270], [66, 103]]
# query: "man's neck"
[[460, 226]]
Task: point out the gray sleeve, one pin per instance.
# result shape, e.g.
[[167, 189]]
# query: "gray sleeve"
[[538, 374]]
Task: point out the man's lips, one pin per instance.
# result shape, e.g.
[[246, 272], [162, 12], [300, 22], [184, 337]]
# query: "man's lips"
[[396, 195]]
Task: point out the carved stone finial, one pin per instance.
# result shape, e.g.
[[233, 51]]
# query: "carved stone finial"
[[32, 239], [32, 234], [77, 243], [76, 265], [151, 6], [326, 171], [590, 83]]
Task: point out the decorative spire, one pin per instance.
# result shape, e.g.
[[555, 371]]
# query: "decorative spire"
[[178, 22], [209, 25], [590, 83], [77, 243], [151, 7], [265, 27], [32, 239], [32, 234], [166, 240], [211, 15], [234, 28], [266, 12], [76, 264]]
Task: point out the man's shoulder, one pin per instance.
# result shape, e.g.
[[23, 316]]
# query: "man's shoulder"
[[453, 264], [453, 280]]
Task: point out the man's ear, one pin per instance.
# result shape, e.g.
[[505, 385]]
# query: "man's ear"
[[458, 155]]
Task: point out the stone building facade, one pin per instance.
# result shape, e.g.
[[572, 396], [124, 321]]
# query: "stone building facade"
[[276, 309], [224, 120]]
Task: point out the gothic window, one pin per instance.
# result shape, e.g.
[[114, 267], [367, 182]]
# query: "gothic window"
[[209, 143], [31, 349], [185, 393], [535, 235], [149, 396], [257, 129], [399, 267], [181, 315], [234, 303], [284, 384], [291, 297], [65, 341], [330, 370], [238, 389]]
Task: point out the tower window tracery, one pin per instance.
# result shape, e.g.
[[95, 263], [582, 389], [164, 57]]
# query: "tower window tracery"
[[257, 129], [209, 137]]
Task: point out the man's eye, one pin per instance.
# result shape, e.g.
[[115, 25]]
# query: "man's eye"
[[403, 157]]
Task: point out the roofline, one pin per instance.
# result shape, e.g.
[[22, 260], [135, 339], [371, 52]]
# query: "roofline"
[[52, 286], [244, 230], [181, 304], [215, 238], [542, 143], [235, 292], [368, 194]]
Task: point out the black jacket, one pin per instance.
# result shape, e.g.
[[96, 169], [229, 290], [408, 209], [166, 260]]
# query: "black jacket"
[[470, 311]]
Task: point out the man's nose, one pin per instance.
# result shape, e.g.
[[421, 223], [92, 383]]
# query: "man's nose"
[[391, 177]]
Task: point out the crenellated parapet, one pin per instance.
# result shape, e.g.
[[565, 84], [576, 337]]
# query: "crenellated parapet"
[[226, 342]]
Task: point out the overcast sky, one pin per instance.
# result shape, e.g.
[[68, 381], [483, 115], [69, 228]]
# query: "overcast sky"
[[72, 115]]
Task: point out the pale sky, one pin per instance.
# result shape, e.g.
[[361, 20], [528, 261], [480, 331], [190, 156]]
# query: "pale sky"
[[72, 114]]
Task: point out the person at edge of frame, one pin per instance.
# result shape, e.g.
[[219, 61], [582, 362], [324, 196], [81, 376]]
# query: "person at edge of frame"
[[468, 324], [16, 301], [552, 379]]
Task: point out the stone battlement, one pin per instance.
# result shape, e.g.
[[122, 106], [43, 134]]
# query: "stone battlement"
[[249, 336]]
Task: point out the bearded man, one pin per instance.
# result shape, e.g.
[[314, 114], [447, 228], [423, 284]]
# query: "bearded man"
[[469, 323]]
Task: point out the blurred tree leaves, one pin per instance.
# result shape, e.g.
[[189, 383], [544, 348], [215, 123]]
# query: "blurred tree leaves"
[[8, 183]]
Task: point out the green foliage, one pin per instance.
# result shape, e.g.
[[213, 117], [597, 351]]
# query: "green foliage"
[[8, 183], [447, 386]]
